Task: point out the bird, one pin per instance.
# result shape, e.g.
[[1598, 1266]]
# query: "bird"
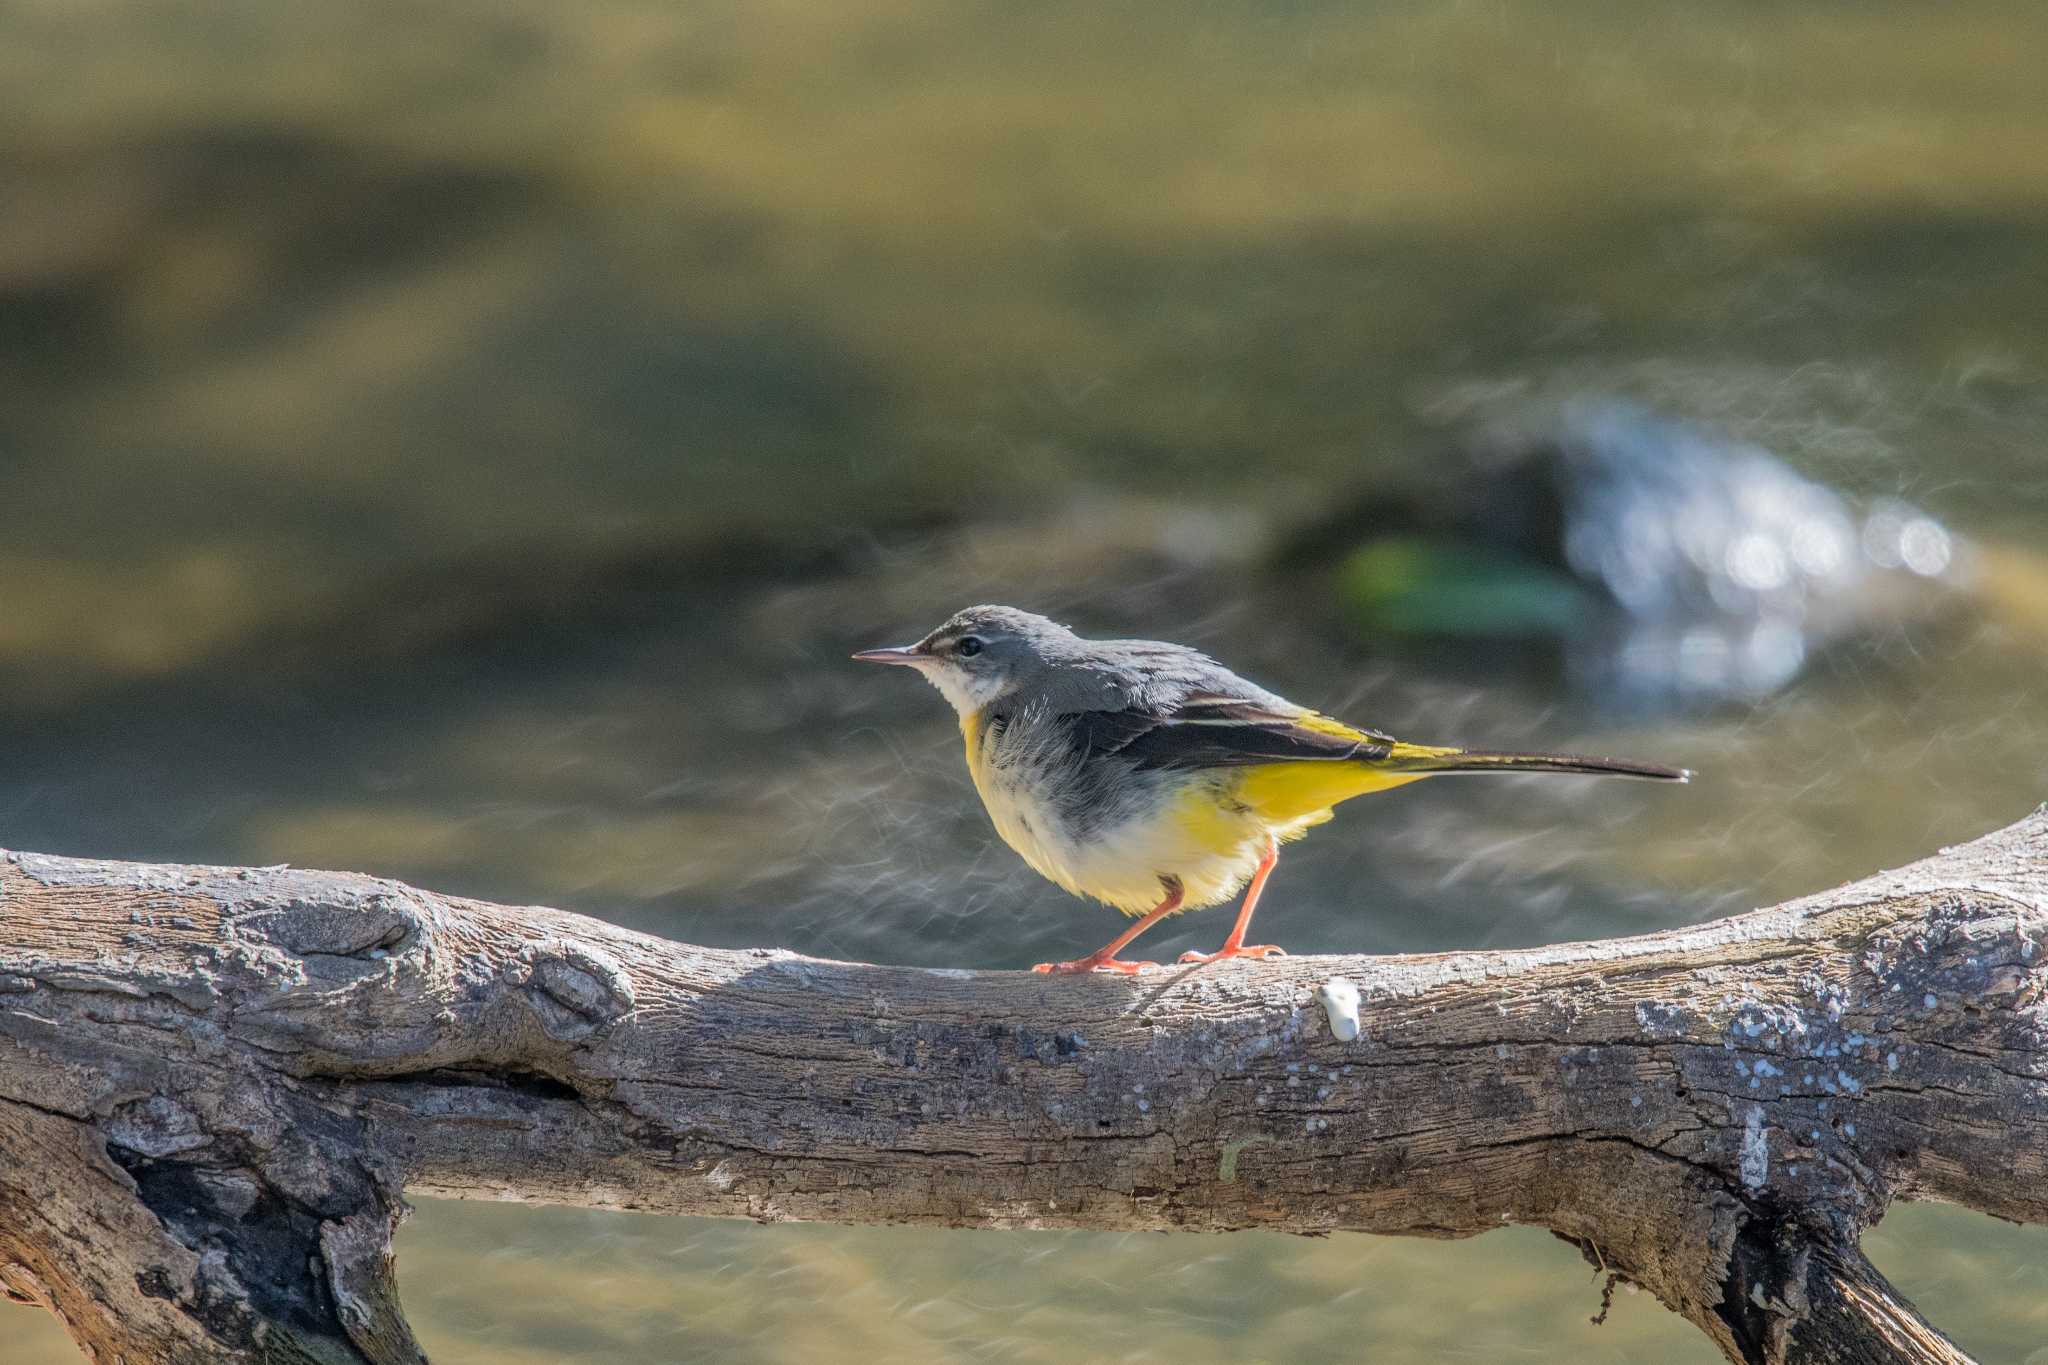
[[1151, 778]]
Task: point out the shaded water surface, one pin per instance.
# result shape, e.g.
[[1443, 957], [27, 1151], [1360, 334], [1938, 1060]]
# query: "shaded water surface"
[[462, 442]]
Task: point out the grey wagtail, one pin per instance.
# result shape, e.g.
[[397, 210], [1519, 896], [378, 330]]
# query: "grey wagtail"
[[1150, 777]]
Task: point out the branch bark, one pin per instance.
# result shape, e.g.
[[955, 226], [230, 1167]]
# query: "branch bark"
[[215, 1084]]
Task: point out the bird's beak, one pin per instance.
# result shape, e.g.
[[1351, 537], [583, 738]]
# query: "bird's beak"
[[912, 656]]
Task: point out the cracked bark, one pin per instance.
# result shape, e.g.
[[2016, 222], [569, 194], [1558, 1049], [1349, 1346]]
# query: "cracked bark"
[[216, 1083]]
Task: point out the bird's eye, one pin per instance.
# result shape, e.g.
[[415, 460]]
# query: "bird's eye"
[[968, 646]]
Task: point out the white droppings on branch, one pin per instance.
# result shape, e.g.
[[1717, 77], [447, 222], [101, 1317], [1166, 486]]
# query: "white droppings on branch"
[[1340, 1001]]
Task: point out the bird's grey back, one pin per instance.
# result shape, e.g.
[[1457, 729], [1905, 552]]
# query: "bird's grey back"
[[1056, 670], [1152, 676]]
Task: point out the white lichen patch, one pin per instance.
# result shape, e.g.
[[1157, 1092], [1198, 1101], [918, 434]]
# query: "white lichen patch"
[[1340, 1001], [1756, 1150]]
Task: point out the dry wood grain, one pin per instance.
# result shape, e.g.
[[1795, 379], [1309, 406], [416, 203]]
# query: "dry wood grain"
[[216, 1084]]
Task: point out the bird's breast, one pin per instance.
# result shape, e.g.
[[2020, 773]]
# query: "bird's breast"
[[1100, 828], [1020, 784]]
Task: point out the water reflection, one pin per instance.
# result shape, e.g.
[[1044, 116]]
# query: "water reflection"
[[463, 446], [1674, 567], [1729, 568]]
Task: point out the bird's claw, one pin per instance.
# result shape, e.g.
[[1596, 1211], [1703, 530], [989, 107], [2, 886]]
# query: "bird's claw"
[[1092, 964], [1257, 951]]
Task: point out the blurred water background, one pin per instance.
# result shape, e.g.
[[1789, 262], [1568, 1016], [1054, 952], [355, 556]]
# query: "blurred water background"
[[462, 441]]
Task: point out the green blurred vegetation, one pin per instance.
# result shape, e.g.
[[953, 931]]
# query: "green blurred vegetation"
[[1401, 585]]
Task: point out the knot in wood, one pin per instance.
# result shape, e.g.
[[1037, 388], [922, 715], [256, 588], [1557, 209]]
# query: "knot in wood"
[[367, 928], [574, 990]]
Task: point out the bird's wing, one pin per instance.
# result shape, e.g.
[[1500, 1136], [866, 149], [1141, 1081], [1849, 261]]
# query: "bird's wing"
[[1205, 729]]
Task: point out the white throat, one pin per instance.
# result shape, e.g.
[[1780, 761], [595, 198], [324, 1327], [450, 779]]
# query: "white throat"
[[968, 692]]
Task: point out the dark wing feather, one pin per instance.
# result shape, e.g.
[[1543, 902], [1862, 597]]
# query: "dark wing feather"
[[1206, 731]]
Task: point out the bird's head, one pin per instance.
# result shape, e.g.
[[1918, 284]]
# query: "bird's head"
[[982, 654]]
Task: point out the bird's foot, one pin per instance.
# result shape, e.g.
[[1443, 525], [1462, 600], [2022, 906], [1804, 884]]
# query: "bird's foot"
[[1094, 962], [1258, 951]]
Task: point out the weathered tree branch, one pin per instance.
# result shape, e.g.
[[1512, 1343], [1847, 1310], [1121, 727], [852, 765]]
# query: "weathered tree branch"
[[216, 1082]]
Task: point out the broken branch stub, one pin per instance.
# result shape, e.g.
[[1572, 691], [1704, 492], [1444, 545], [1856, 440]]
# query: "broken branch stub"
[[216, 1084]]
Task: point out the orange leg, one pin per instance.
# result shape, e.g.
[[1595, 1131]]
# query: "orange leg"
[[1105, 959], [1235, 946]]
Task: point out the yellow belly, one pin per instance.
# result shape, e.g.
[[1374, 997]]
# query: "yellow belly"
[[1210, 835]]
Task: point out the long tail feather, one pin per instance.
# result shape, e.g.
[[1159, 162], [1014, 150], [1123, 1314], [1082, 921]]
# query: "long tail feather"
[[1422, 758]]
